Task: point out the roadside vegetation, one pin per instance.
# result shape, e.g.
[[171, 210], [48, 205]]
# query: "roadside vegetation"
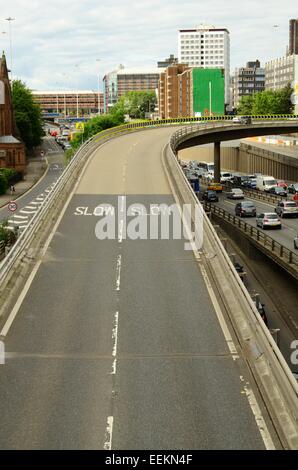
[[8, 177], [267, 102], [27, 115]]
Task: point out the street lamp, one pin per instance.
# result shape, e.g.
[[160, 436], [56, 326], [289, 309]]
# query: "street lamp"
[[77, 66], [98, 84], [10, 42]]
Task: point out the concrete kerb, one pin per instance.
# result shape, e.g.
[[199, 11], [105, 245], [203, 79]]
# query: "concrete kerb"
[[274, 379]]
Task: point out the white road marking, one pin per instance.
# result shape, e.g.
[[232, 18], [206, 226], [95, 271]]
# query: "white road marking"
[[35, 203], [18, 221], [23, 211], [118, 272], [259, 418], [29, 281], [40, 198], [109, 433], [31, 207], [115, 334], [21, 217]]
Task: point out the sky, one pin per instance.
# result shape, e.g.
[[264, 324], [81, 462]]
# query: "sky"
[[72, 44]]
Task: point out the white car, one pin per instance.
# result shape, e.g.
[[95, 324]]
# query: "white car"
[[268, 220], [242, 119], [235, 193]]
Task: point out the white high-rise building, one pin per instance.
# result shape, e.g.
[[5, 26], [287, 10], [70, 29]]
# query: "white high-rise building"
[[206, 47]]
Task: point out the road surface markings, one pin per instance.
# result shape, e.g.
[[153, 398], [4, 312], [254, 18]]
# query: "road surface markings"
[[21, 217], [118, 272], [258, 417], [109, 433], [24, 211]]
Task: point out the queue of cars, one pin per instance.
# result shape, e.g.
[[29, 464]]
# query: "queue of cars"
[[245, 208]]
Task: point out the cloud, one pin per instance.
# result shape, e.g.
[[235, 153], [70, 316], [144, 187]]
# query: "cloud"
[[56, 44]]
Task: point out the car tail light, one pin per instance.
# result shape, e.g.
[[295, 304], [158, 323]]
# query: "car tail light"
[[266, 220]]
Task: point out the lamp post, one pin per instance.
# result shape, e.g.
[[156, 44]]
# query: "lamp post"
[[98, 95], [10, 42], [77, 67]]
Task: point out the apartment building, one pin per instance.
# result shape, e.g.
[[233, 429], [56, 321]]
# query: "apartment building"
[[206, 47], [191, 91], [70, 103], [247, 81]]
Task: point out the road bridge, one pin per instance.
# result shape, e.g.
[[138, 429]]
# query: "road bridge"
[[197, 135]]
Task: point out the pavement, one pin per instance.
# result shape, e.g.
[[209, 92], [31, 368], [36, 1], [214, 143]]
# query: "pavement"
[[117, 344]]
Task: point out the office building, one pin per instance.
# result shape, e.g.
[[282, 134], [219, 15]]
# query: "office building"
[[70, 103], [167, 62], [247, 81], [282, 71], [206, 47], [120, 81]]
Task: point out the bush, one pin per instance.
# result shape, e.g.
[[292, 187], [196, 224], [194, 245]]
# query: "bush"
[[12, 176], [3, 184]]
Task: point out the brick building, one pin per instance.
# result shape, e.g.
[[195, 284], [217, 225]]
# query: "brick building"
[[12, 151], [185, 91]]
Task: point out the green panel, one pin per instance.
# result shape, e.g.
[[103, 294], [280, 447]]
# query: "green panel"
[[204, 80]]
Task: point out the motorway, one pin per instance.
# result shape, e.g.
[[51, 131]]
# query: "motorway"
[[285, 236], [29, 203], [117, 344]]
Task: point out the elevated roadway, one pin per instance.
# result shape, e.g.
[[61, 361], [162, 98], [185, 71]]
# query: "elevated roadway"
[[117, 344]]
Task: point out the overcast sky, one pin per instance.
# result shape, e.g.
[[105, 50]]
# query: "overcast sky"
[[56, 43]]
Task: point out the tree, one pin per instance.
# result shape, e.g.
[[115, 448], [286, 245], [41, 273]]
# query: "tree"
[[27, 115], [136, 104], [245, 105], [268, 102]]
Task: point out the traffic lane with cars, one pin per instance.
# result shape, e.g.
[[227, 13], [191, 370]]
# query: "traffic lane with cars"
[[285, 236]]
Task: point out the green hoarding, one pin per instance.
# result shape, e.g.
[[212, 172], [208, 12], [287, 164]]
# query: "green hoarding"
[[208, 90]]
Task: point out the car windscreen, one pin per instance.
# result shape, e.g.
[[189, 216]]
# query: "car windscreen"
[[270, 182], [247, 204], [271, 216], [290, 204]]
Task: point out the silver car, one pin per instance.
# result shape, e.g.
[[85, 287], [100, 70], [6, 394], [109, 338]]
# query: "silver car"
[[287, 208], [235, 193], [268, 220]]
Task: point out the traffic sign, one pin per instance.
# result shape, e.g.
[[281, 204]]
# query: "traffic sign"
[[12, 206], [80, 126]]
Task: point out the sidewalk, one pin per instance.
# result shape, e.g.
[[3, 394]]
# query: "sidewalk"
[[35, 169]]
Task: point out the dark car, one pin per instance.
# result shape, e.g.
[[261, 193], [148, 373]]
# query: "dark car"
[[210, 196], [278, 191], [245, 209], [293, 188]]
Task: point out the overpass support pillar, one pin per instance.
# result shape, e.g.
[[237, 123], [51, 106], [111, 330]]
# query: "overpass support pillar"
[[217, 162]]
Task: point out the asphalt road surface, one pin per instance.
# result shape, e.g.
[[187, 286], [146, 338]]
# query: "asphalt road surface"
[[31, 201], [117, 344]]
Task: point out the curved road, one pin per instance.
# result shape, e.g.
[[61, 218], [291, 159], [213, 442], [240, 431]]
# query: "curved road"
[[117, 343]]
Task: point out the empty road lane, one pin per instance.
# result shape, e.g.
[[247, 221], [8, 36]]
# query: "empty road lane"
[[117, 344]]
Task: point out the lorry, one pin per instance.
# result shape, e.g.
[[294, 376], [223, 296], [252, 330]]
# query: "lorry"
[[264, 183]]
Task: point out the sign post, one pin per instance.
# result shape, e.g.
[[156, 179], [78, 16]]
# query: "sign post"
[[12, 207]]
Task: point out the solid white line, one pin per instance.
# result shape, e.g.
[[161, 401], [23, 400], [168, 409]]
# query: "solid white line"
[[29, 281], [21, 217], [109, 433], [118, 272], [35, 204]]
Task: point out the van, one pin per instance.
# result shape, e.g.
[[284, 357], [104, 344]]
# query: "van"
[[264, 183]]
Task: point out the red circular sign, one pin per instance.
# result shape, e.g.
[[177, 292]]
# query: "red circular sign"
[[12, 206]]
